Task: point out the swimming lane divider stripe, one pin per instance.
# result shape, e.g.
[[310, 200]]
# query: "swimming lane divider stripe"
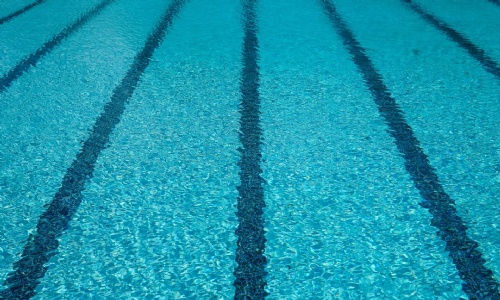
[[20, 11], [497, 2], [478, 282], [477, 53], [31, 60], [251, 262], [43, 245]]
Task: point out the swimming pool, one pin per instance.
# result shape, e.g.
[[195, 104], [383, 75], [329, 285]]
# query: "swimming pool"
[[284, 149]]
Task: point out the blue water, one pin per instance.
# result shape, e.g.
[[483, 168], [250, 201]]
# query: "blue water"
[[157, 218]]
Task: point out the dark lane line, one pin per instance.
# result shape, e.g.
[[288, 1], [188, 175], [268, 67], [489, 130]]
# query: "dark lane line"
[[31, 61], [43, 245], [477, 53], [478, 280], [251, 272], [20, 11], [497, 2]]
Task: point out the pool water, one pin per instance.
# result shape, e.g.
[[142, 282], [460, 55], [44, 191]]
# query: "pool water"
[[286, 149]]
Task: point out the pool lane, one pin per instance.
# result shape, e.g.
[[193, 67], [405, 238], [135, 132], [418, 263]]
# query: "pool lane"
[[478, 280], [158, 217], [53, 222], [9, 7], [450, 102], [251, 245], [31, 60], [25, 34], [477, 20], [343, 219], [20, 11], [488, 63], [49, 111]]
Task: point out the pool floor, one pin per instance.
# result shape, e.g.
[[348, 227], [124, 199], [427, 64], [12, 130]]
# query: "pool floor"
[[287, 149]]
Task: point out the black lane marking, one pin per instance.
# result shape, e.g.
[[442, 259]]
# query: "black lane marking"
[[40, 247], [20, 11], [478, 280], [31, 61], [477, 53], [251, 272], [497, 2]]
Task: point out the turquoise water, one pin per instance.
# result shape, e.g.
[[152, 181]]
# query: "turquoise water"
[[157, 217]]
